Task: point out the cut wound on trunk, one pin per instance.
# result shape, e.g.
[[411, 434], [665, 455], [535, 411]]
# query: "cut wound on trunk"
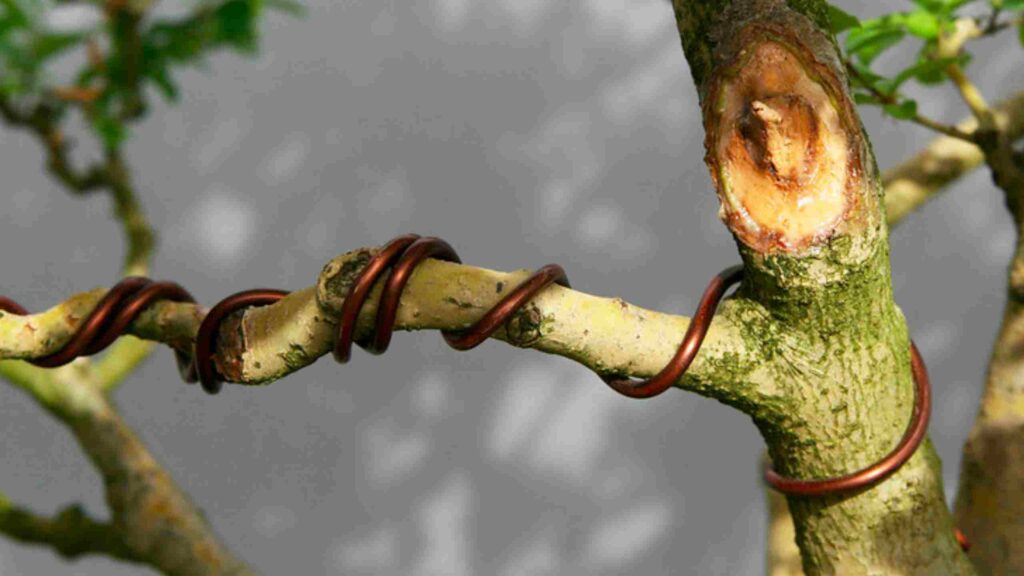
[[781, 150]]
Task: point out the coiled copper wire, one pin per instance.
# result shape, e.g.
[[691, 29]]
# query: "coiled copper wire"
[[690, 345], [397, 259], [205, 347], [402, 255], [109, 319], [882, 469]]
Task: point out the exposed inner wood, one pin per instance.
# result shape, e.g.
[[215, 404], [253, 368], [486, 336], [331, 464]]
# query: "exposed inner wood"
[[782, 153]]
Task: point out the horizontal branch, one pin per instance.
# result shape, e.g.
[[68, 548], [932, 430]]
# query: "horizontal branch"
[[71, 533], [913, 182], [262, 344]]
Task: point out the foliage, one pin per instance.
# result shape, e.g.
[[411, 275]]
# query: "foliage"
[[933, 25], [128, 51]]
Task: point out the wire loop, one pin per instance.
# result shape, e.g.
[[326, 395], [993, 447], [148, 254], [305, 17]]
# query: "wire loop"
[[395, 263], [882, 469], [110, 318], [690, 345]]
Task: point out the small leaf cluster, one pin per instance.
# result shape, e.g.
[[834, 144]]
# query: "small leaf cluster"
[[866, 40], [228, 24], [27, 44], [130, 50]]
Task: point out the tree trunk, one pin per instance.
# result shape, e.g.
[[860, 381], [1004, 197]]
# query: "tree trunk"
[[800, 191]]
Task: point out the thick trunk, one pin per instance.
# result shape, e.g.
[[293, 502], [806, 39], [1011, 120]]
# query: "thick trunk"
[[800, 192], [990, 502]]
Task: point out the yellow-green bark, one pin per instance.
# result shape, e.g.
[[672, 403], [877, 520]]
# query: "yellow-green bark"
[[840, 350], [152, 520], [262, 344], [990, 501]]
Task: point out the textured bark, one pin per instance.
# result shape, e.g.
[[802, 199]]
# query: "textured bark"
[[608, 335], [990, 501], [152, 520], [783, 554], [840, 350], [151, 515]]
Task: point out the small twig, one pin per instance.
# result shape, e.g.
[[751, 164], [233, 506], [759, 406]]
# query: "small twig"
[[94, 54], [971, 96], [126, 48], [72, 533], [992, 27], [40, 121], [78, 94], [886, 99], [993, 19], [950, 45], [944, 160]]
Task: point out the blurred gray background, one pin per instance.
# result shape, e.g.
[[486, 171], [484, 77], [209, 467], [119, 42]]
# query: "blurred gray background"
[[523, 132]]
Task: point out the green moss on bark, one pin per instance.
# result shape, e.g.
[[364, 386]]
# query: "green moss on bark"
[[836, 381]]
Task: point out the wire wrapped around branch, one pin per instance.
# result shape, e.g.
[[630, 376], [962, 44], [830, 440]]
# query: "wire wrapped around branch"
[[395, 263]]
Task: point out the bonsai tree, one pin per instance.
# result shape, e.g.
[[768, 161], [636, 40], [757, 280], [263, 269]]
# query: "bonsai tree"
[[812, 346]]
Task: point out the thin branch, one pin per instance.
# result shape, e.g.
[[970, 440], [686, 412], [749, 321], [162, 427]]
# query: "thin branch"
[[917, 118], [950, 45], [71, 533], [120, 361], [139, 235], [40, 121], [993, 26], [944, 160], [153, 521], [971, 95]]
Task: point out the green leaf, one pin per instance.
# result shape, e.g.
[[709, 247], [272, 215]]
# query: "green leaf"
[[46, 46], [21, 13], [296, 9], [213, 25], [866, 74], [1020, 33], [924, 71], [841, 21], [1010, 5], [867, 42], [236, 20], [865, 98], [113, 132], [922, 24], [163, 81], [10, 85], [941, 7], [905, 110]]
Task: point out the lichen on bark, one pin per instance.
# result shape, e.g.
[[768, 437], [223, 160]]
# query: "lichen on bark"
[[801, 193]]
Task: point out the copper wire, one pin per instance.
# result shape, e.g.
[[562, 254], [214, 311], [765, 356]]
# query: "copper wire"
[[690, 345], [885, 467], [110, 318], [395, 262], [206, 336], [402, 255]]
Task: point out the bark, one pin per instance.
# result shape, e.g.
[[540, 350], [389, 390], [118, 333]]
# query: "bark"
[[908, 185], [841, 347], [152, 521], [261, 344], [783, 555], [990, 502], [151, 515]]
